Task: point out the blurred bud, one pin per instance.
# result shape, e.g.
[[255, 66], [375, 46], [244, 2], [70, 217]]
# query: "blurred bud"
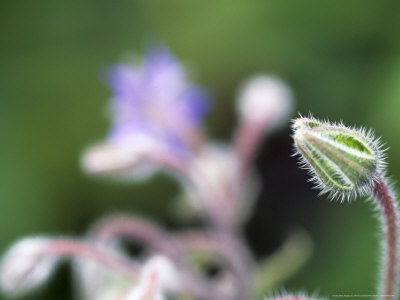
[[158, 276], [167, 276], [25, 266], [95, 281], [215, 166], [121, 158], [214, 173], [265, 99], [343, 161]]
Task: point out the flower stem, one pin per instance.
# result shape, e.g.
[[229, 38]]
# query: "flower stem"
[[247, 138], [119, 226], [73, 248], [389, 211], [174, 247]]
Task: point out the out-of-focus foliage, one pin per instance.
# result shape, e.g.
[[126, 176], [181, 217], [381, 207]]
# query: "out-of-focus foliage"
[[340, 57]]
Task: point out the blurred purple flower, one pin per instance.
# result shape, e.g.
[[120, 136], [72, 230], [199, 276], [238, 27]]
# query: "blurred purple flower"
[[156, 119], [155, 99]]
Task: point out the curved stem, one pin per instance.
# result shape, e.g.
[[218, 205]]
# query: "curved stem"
[[70, 247], [119, 226], [175, 246], [172, 246], [389, 212]]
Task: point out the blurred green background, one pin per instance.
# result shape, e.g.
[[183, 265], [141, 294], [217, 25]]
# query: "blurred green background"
[[341, 58]]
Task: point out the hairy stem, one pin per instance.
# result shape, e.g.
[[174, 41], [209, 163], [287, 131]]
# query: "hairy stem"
[[389, 211]]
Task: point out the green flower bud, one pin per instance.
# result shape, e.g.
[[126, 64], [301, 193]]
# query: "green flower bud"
[[342, 161]]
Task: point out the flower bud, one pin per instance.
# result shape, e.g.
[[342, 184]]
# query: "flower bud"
[[214, 167], [158, 276], [121, 157], [343, 161], [214, 172], [167, 275], [264, 99], [96, 281], [25, 266]]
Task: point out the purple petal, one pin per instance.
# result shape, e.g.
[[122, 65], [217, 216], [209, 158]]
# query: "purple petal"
[[155, 99]]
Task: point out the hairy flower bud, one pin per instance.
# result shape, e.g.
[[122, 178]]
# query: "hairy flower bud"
[[343, 161], [25, 267]]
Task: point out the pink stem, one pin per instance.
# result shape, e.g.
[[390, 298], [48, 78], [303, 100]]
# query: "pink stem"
[[135, 228], [172, 246], [389, 211], [246, 141], [69, 247]]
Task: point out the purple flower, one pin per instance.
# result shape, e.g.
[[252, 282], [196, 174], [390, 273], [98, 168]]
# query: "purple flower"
[[156, 116], [155, 99]]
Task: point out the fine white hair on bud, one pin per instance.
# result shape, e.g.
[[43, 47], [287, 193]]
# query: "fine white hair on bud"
[[25, 266], [264, 99], [342, 161]]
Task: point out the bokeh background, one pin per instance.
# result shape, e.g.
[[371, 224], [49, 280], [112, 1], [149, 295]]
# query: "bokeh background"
[[341, 59]]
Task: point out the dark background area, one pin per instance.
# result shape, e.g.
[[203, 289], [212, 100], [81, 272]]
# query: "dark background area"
[[341, 59]]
